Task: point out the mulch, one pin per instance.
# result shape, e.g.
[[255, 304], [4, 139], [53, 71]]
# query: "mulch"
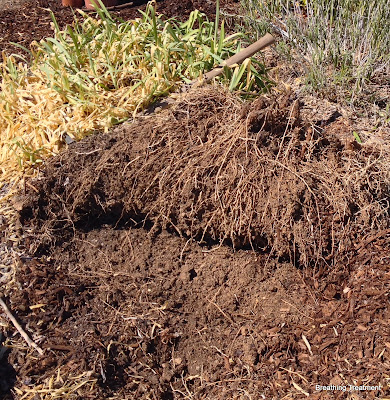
[[154, 316]]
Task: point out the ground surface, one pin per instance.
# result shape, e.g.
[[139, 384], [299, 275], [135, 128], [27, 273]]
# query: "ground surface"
[[156, 317], [284, 286], [115, 295]]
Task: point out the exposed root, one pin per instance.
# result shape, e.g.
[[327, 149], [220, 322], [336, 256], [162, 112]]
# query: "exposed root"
[[213, 169]]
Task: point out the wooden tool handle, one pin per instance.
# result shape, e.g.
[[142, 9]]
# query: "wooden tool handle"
[[238, 58]]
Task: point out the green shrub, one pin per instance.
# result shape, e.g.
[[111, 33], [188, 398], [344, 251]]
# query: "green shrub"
[[344, 43]]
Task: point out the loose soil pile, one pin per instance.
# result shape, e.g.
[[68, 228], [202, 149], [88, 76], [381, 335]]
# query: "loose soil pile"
[[142, 279], [217, 171]]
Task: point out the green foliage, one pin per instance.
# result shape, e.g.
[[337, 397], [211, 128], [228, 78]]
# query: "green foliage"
[[151, 52], [357, 137], [25, 152], [344, 42]]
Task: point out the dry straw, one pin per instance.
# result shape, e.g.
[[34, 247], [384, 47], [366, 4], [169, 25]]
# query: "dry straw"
[[59, 387]]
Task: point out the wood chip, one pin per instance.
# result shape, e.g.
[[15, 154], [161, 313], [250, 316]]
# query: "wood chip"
[[307, 344], [300, 389]]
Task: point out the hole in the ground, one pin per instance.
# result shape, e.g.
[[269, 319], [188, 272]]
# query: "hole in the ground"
[[7, 373], [193, 274]]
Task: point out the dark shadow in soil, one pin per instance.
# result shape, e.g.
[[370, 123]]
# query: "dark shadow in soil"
[[7, 375]]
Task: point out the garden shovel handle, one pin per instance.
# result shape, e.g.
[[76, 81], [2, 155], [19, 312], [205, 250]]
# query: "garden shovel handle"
[[238, 58]]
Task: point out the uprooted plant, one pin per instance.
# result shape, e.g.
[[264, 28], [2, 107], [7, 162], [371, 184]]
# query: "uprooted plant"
[[215, 170]]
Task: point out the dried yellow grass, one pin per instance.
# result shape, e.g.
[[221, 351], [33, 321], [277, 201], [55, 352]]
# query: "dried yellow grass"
[[59, 387]]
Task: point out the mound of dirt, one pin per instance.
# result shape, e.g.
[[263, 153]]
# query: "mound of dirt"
[[125, 309], [214, 170]]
